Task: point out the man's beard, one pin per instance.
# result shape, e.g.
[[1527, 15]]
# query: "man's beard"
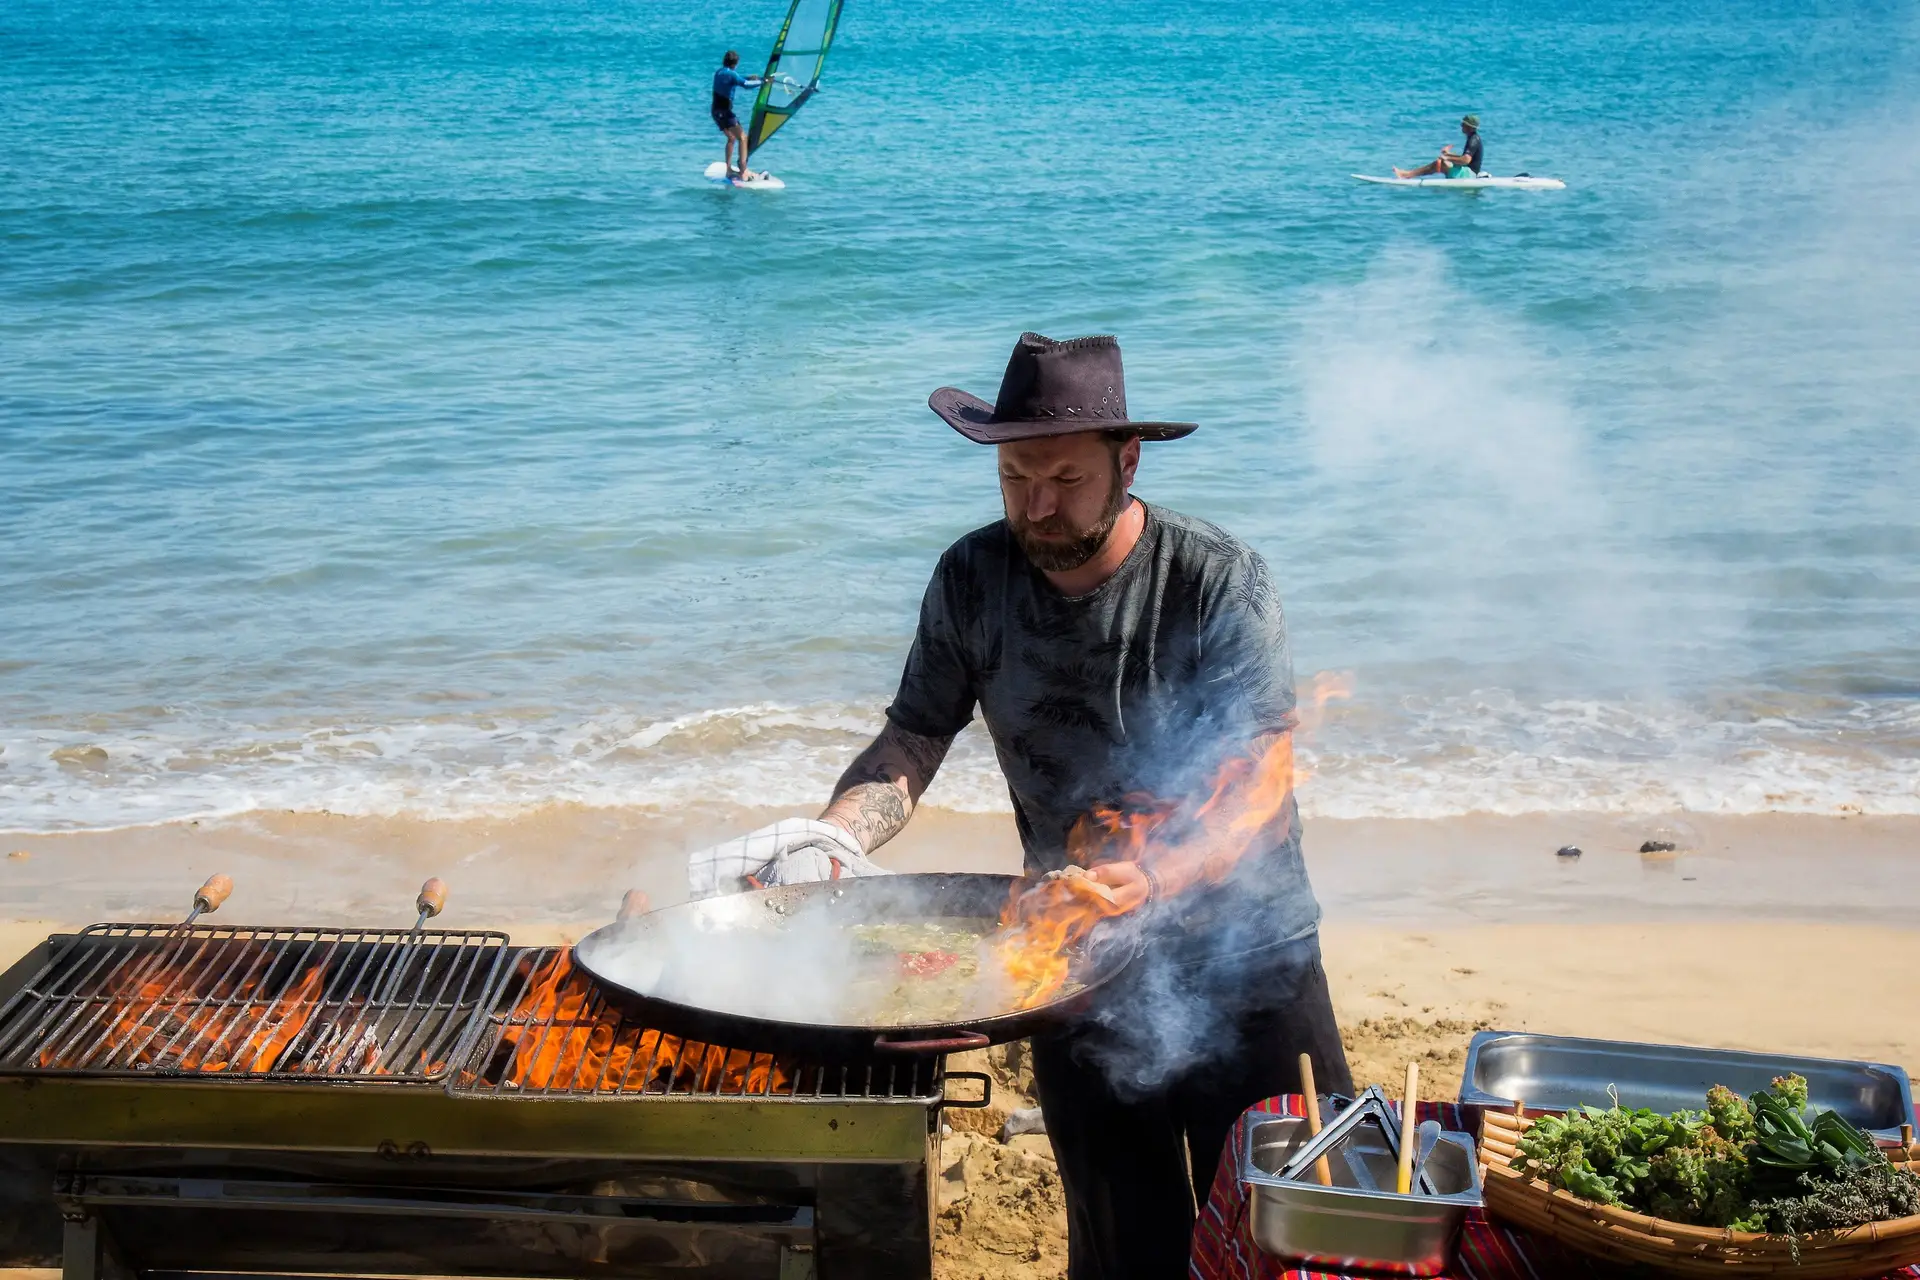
[[1054, 547]]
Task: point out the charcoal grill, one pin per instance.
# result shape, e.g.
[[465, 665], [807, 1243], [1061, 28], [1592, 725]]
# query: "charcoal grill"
[[289, 1101], [258, 1004]]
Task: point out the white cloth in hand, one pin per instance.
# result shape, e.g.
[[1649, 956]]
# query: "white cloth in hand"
[[791, 851]]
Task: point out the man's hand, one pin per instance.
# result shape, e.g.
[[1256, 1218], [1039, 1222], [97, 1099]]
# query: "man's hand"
[[790, 851], [1128, 880], [1125, 886]]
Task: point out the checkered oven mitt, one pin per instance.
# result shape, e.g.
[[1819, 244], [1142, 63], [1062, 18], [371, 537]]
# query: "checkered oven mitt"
[[791, 851]]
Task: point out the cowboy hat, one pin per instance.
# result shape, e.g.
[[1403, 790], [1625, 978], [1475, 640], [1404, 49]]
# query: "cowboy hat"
[[1052, 389]]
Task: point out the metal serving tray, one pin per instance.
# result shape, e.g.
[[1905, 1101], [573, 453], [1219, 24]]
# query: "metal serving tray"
[[1350, 1225], [1557, 1073]]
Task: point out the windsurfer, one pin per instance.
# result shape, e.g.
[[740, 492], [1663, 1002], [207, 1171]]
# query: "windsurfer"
[[1455, 164], [726, 82]]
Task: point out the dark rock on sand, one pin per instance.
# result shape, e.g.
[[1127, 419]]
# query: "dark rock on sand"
[[1567, 851]]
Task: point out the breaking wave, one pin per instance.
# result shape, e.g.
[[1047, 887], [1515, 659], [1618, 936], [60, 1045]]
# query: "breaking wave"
[[1407, 757]]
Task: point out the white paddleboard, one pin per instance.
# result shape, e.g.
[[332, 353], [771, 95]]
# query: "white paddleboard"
[[1522, 183], [717, 173]]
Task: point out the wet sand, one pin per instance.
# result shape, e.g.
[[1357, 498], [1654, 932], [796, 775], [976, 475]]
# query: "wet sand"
[[570, 865]]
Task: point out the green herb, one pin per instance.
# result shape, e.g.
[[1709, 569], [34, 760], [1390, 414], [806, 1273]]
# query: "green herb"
[[1872, 1191], [1758, 1164]]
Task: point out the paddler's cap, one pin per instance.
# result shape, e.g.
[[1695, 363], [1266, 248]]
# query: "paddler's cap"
[[1472, 122], [1052, 389]]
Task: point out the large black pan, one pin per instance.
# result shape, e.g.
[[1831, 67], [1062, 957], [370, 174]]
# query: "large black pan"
[[782, 970]]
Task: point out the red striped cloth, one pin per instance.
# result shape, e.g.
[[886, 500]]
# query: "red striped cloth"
[[1488, 1251]]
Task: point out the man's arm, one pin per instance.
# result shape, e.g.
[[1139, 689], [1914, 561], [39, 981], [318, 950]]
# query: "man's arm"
[[878, 792]]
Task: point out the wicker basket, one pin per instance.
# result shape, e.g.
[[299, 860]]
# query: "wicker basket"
[[1620, 1235]]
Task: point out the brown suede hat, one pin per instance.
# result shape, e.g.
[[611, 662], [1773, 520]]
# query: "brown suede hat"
[[1052, 389]]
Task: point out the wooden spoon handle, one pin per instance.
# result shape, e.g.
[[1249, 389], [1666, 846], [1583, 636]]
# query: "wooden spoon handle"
[[1322, 1171], [1407, 1113]]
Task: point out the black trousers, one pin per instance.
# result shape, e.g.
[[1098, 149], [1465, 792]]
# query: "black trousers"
[[1125, 1155]]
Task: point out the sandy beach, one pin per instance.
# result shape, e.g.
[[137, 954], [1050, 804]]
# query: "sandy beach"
[[1778, 933]]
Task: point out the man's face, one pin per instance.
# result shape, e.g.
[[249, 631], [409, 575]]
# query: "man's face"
[[1063, 494]]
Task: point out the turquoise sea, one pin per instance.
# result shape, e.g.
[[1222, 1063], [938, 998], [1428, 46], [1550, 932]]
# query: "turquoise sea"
[[392, 420]]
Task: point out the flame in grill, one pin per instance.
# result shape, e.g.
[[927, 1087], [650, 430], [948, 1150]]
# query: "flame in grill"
[[564, 1037], [169, 1020], [231, 1007], [1184, 843]]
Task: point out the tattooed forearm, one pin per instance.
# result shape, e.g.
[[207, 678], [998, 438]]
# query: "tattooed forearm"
[[874, 812], [876, 795]]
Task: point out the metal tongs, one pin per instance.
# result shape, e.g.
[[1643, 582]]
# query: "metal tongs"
[[1372, 1104]]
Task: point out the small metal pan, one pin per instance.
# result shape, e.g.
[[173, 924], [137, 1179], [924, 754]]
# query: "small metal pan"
[[788, 969]]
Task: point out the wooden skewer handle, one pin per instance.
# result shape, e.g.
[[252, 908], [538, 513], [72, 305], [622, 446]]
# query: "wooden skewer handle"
[[1322, 1171], [210, 895], [433, 898], [635, 903], [1407, 1139]]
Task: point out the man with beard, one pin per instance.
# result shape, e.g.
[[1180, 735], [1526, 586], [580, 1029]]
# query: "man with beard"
[[1123, 656]]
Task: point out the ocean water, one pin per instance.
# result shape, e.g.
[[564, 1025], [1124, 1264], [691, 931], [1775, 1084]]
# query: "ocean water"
[[392, 421]]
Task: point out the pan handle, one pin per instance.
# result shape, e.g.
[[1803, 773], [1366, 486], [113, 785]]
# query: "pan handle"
[[949, 1044], [961, 1104]]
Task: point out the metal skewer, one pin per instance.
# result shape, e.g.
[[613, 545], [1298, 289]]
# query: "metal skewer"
[[431, 901]]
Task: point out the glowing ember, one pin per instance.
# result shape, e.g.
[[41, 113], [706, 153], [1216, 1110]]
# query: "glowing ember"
[[561, 1039], [171, 1020], [233, 1007]]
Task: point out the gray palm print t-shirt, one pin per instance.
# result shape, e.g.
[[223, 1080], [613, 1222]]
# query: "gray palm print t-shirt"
[[1130, 696]]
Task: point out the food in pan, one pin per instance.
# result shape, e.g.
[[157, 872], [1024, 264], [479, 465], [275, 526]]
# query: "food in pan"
[[1765, 1163], [924, 972]]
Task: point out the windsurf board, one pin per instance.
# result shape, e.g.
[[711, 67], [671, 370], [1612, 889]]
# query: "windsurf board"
[[717, 173]]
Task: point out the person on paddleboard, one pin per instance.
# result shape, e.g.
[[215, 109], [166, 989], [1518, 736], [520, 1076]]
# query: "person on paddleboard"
[[1454, 164], [727, 82]]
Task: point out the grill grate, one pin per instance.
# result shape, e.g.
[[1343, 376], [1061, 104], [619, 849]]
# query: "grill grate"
[[551, 1033], [255, 1003]]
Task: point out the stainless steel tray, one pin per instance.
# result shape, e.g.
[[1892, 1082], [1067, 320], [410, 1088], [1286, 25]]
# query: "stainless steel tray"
[[1557, 1073], [1350, 1225]]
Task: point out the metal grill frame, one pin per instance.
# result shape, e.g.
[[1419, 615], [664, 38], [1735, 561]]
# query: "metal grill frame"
[[366, 971], [914, 1080]]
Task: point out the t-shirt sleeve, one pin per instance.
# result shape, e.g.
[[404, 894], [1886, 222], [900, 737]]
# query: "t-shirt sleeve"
[[937, 691], [1246, 662]]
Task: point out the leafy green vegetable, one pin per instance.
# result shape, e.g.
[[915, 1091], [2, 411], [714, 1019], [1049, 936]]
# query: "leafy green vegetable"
[[1755, 1164]]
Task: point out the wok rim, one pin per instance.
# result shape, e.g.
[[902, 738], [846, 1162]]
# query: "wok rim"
[[859, 1041]]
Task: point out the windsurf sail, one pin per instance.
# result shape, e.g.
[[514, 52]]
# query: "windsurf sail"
[[793, 72]]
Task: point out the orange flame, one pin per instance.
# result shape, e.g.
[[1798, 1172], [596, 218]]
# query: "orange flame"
[[1181, 843], [559, 1042], [173, 1022]]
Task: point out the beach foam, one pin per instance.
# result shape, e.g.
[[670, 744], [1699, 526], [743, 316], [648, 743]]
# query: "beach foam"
[[1486, 751]]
